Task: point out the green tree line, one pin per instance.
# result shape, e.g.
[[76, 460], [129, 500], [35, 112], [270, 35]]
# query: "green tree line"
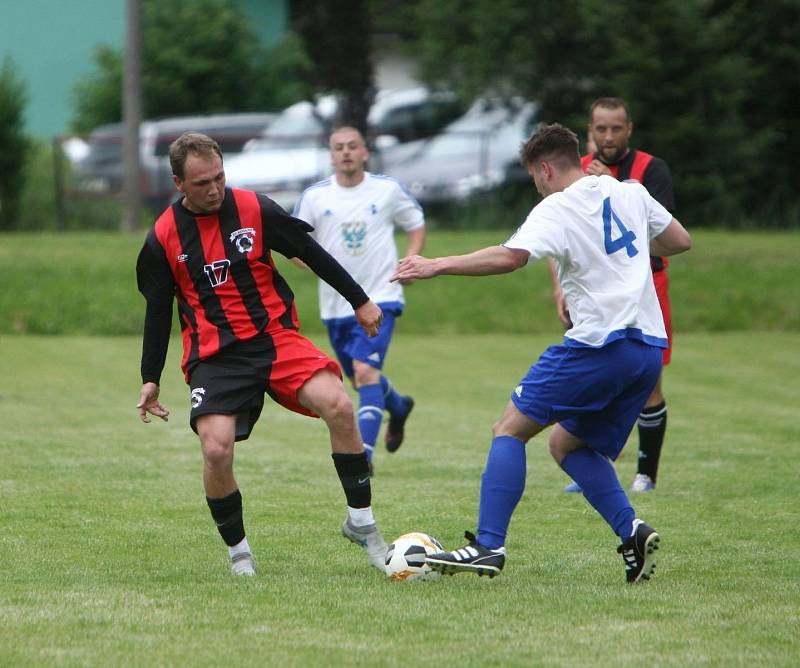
[[712, 84]]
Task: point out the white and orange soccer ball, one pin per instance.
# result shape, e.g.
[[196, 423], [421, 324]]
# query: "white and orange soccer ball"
[[405, 558]]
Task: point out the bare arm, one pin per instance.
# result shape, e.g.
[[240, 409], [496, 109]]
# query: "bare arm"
[[484, 262], [416, 241], [673, 240], [558, 296]]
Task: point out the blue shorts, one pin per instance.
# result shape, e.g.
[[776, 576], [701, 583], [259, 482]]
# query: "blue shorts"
[[350, 341], [595, 394]]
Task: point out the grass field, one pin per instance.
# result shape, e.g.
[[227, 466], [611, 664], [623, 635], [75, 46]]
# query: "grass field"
[[109, 556], [83, 283]]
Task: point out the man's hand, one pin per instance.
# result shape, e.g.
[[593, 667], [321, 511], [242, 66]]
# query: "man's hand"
[[369, 316], [413, 267], [148, 403], [598, 168]]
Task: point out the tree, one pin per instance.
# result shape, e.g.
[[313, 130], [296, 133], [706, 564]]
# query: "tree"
[[337, 35], [13, 98], [700, 77], [198, 57]]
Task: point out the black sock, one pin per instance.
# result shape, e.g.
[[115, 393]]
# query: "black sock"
[[652, 426], [227, 514], [353, 472]]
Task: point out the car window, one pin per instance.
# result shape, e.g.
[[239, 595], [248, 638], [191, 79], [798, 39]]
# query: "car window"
[[291, 131]]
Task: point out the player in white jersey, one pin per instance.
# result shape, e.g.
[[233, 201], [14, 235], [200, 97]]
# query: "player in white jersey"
[[355, 214], [601, 233]]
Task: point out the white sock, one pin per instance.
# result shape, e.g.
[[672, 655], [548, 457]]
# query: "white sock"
[[361, 517], [239, 548]]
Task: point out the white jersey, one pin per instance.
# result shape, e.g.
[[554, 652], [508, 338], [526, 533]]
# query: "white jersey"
[[598, 231], [356, 225]]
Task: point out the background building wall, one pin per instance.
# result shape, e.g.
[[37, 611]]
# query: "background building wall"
[[51, 44]]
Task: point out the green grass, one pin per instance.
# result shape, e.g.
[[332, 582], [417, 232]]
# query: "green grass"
[[109, 556], [83, 283]]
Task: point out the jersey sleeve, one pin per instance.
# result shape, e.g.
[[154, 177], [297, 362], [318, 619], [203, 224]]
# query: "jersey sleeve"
[[155, 281], [407, 214], [658, 218], [658, 181], [153, 275], [540, 234], [285, 234], [304, 210]]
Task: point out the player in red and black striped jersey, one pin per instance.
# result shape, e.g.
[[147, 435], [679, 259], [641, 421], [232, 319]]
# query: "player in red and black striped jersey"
[[212, 251], [610, 129]]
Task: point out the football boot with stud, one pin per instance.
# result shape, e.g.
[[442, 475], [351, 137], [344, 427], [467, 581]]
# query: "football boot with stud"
[[639, 552], [472, 558]]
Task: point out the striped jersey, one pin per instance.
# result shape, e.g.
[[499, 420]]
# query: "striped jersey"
[[220, 268], [356, 226], [598, 231]]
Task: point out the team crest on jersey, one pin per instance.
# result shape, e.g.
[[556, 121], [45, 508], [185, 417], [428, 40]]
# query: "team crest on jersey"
[[197, 396], [353, 237], [244, 239]]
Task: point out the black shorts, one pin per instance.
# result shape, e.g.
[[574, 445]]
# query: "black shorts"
[[234, 381]]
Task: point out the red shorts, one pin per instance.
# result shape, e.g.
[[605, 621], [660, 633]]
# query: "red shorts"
[[234, 381], [661, 281], [297, 360]]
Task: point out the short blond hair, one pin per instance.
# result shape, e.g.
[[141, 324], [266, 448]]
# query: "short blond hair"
[[191, 142]]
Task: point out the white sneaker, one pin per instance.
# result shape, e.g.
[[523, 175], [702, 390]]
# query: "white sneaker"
[[243, 564], [370, 539], [642, 483]]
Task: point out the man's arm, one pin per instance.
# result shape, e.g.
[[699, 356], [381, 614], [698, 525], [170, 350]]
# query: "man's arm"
[[558, 296], [484, 262], [415, 241], [155, 282], [673, 240], [324, 265]]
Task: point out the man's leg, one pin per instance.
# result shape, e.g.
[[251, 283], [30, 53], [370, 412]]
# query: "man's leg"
[[502, 485], [399, 408], [324, 394], [597, 478], [652, 424], [371, 404], [217, 433]]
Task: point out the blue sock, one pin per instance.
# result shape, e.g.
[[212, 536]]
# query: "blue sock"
[[600, 485], [370, 415], [502, 485], [395, 403]]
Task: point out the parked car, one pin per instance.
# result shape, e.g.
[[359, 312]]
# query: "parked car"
[[293, 151], [101, 170], [476, 153]]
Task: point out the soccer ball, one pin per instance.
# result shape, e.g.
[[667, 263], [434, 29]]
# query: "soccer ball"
[[405, 558]]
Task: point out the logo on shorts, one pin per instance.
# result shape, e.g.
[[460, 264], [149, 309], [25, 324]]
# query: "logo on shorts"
[[518, 391], [353, 236], [197, 396], [374, 357], [244, 239]]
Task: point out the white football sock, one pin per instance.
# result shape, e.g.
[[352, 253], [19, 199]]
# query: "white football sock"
[[361, 517], [240, 548]]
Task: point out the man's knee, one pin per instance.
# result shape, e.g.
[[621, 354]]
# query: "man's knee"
[[364, 374], [217, 453], [215, 441]]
